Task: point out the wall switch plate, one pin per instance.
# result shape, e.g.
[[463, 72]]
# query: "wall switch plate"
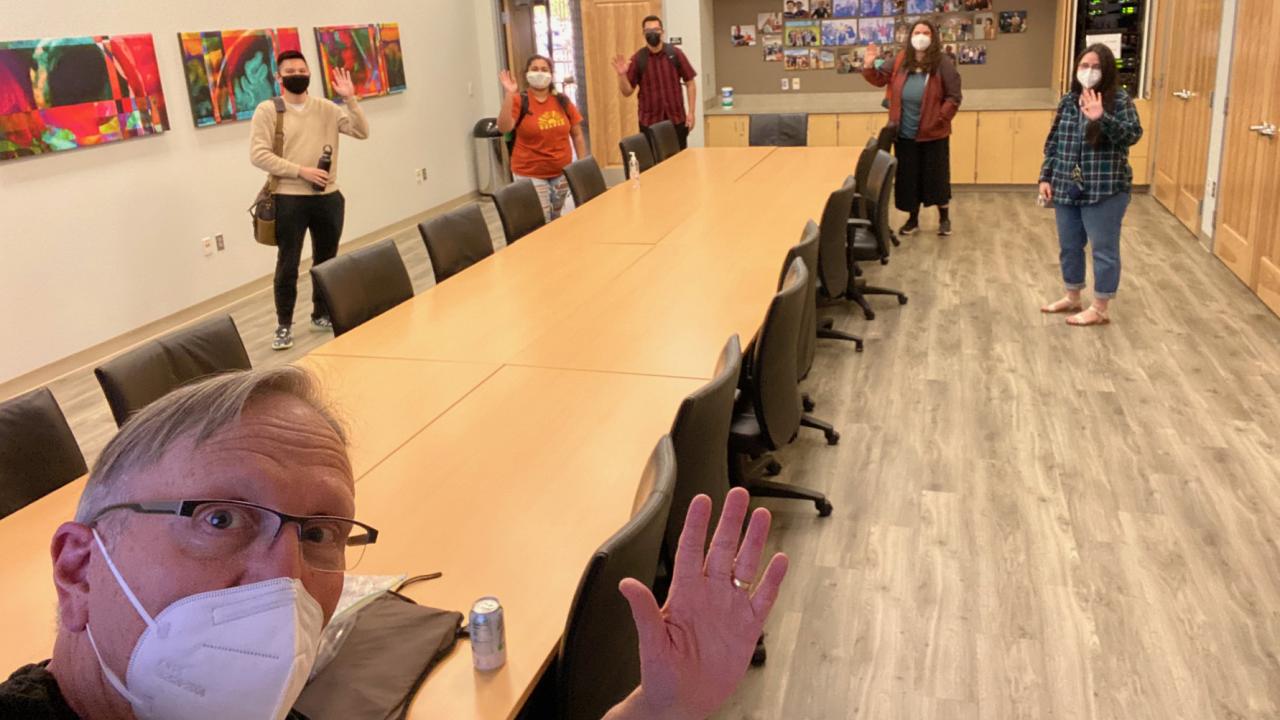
[[220, 241], [786, 84], [795, 83], [207, 245], [675, 41]]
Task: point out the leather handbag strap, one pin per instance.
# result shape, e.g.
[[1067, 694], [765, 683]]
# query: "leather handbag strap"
[[277, 143]]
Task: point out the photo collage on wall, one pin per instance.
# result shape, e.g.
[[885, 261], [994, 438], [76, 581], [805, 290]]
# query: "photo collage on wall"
[[834, 34]]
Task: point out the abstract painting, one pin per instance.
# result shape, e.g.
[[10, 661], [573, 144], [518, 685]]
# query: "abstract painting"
[[65, 93], [372, 54], [230, 71]]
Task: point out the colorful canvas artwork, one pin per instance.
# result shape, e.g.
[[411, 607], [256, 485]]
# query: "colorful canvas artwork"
[[229, 72], [63, 93], [371, 53], [839, 32]]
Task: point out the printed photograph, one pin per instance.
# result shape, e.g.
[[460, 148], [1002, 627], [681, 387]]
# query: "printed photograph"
[[920, 7], [769, 23], [795, 9], [875, 30], [742, 35], [985, 26], [899, 7], [772, 47], [956, 28], [973, 54], [950, 50], [1013, 21], [64, 93], [946, 6], [839, 32], [977, 4], [824, 59], [229, 72], [877, 8], [820, 9], [797, 59], [802, 33], [846, 8], [850, 60], [902, 28]]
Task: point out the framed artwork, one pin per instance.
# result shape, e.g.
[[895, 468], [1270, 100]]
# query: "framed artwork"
[[769, 23], [371, 53], [1013, 21], [878, 31], [64, 93], [772, 48], [839, 32], [797, 59], [846, 8], [229, 72], [802, 33]]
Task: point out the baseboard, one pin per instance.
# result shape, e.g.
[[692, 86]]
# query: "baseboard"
[[96, 354]]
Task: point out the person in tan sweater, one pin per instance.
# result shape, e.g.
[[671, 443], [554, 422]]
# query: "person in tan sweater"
[[307, 198]]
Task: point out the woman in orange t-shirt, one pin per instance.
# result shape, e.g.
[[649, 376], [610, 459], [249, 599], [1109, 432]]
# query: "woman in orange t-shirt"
[[547, 137]]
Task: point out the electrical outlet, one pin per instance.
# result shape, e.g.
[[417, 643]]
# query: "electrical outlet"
[[795, 83], [207, 245], [786, 84], [220, 242], [424, 175], [471, 90]]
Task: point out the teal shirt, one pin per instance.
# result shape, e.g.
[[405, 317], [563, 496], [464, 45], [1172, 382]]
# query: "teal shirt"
[[912, 97]]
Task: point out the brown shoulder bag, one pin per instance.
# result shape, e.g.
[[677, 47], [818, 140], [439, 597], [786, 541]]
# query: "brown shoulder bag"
[[263, 210]]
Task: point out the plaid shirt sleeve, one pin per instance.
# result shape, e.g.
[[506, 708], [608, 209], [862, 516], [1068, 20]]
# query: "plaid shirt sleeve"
[[1105, 169]]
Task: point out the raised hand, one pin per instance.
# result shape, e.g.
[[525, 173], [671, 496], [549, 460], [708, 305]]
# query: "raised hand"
[[1091, 104], [696, 649], [508, 82], [342, 84], [873, 53], [620, 64]]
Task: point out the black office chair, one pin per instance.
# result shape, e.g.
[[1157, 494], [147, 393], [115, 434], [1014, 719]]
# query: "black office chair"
[[146, 373], [779, 130], [638, 144], [807, 337], [770, 409], [888, 134], [599, 661], [519, 209], [664, 140], [457, 240], [868, 238], [363, 284], [585, 180], [860, 174], [38, 452], [833, 256]]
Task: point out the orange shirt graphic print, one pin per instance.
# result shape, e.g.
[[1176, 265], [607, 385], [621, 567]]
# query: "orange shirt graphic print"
[[552, 120]]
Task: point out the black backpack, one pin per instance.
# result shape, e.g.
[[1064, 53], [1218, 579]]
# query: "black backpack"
[[642, 60], [524, 113]]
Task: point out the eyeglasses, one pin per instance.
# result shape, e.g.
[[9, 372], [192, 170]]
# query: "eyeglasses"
[[226, 528]]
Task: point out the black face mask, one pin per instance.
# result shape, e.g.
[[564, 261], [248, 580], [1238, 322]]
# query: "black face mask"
[[653, 37], [296, 84]]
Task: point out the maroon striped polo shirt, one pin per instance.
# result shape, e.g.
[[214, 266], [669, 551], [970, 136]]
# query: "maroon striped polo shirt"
[[661, 97]]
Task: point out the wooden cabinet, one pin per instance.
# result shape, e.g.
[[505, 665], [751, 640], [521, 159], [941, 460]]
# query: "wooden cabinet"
[[823, 130], [1011, 146], [964, 148], [854, 129], [728, 130]]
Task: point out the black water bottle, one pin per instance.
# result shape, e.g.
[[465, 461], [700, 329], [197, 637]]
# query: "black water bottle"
[[325, 162]]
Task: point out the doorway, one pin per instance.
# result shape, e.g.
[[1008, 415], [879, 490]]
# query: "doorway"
[[551, 28]]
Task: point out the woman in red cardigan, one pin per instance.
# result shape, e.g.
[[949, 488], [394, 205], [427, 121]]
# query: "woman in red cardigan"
[[924, 94]]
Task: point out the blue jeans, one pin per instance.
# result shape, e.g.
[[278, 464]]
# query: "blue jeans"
[[1099, 224], [553, 194]]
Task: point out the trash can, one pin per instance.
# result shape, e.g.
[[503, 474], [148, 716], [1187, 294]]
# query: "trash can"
[[493, 165]]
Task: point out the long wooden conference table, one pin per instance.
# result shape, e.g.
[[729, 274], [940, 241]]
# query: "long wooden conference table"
[[500, 420]]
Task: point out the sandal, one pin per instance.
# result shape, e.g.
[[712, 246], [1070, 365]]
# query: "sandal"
[[1065, 305], [1092, 316]]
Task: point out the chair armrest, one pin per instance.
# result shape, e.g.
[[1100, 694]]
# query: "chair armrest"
[[859, 222]]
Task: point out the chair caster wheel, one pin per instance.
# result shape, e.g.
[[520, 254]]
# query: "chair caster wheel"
[[902, 299], [773, 469], [857, 346], [824, 508], [869, 315], [809, 404], [884, 261], [833, 437], [760, 655]]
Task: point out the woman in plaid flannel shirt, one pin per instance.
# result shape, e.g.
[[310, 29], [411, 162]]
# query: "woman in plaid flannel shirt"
[[1087, 177]]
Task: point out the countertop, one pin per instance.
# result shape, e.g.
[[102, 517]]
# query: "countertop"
[[866, 102]]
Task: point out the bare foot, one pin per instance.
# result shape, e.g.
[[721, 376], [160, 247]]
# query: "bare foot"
[[1092, 316], [1065, 305]]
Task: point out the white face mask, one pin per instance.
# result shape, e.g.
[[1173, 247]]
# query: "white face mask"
[[921, 42], [243, 652], [538, 80], [1090, 77]]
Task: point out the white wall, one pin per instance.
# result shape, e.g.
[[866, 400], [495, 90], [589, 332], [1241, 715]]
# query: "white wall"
[[98, 241], [1218, 130], [687, 20]]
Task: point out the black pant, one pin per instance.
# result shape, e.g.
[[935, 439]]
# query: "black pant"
[[295, 215], [924, 174], [682, 133]]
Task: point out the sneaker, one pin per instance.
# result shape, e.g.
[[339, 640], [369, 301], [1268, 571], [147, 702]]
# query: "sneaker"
[[909, 229], [283, 339], [944, 227], [322, 324]]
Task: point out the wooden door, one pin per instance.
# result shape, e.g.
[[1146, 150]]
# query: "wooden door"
[[1247, 187], [609, 28], [1201, 71], [995, 147], [520, 40], [964, 148], [1170, 105]]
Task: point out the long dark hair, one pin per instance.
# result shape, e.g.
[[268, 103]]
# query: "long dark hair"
[[534, 58], [1106, 87], [932, 56]]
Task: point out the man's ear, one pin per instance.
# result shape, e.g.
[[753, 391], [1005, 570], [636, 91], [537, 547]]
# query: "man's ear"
[[71, 549]]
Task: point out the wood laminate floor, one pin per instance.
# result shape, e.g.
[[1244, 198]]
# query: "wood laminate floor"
[[1032, 520]]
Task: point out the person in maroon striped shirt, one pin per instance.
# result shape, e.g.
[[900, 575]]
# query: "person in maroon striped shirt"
[[658, 77]]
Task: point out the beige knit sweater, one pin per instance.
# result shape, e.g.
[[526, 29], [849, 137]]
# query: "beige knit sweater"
[[306, 132]]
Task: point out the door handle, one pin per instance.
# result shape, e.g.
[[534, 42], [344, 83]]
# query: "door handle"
[[1183, 94], [1268, 130]]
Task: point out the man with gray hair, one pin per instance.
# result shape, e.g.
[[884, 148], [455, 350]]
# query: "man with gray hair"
[[181, 596]]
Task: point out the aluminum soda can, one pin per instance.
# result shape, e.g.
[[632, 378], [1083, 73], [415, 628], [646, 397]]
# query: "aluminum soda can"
[[488, 634]]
